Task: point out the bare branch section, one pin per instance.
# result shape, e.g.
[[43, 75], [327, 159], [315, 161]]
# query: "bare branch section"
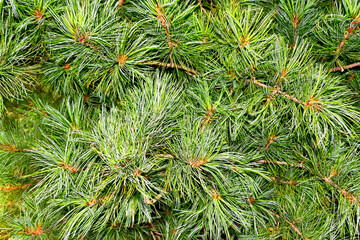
[[345, 67], [256, 82], [165, 23], [201, 6], [154, 200], [351, 29], [300, 165], [153, 236], [290, 223], [344, 192], [327, 180], [290, 97], [207, 118], [283, 181], [187, 70]]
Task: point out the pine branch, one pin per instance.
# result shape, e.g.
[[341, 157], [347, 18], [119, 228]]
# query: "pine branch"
[[153, 236], [201, 6], [351, 29], [290, 97], [342, 191], [187, 70], [290, 223], [283, 181], [325, 179], [280, 92], [207, 118], [300, 165], [345, 67], [96, 150], [165, 155], [154, 200], [166, 24]]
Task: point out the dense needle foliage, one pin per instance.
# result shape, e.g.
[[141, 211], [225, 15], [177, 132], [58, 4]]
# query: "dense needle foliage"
[[179, 119]]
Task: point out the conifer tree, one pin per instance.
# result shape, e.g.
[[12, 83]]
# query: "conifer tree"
[[179, 119]]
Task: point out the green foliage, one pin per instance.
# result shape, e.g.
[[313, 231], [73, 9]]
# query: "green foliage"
[[169, 119]]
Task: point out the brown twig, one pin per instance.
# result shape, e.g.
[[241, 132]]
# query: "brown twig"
[[201, 6], [256, 82], [282, 181], [291, 97], [351, 29], [312, 103], [188, 71], [96, 150], [157, 233], [154, 200], [342, 43], [153, 236], [327, 180], [296, 20], [345, 67], [207, 118], [300, 165], [166, 24], [290, 223], [344, 192], [164, 155], [295, 228]]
